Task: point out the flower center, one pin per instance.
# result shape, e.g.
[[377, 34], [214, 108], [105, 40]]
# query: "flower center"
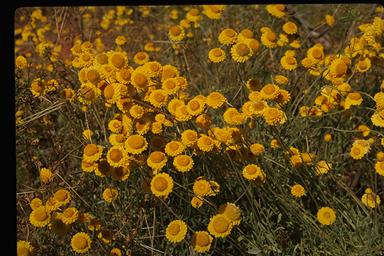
[[220, 225], [174, 229], [160, 184], [116, 155], [242, 49], [90, 150]]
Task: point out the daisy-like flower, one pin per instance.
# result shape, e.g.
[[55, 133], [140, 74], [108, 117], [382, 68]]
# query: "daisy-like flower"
[[202, 187], [115, 252], [46, 175], [215, 100], [370, 199], [88, 93], [290, 28], [378, 118], [276, 10], [379, 168], [274, 116], [112, 92], [62, 197], [81, 242], [353, 99], [24, 248], [174, 148], [69, 215], [256, 149], [219, 226], [241, 52], [253, 172], [195, 106], [183, 163], [201, 241], [35, 203], [136, 111], [176, 33], [115, 126], [140, 58], [189, 137], [21, 62], [139, 79], [162, 185], [197, 202], [213, 12], [288, 61], [363, 65], [37, 87], [233, 117], [40, 217], [227, 36], [330, 20], [117, 156], [170, 86], [176, 231], [326, 216], [322, 167], [92, 152], [205, 143], [269, 92], [157, 160], [203, 121], [216, 55], [123, 76], [117, 59], [169, 71], [158, 98], [359, 149], [110, 194], [136, 144], [297, 190], [232, 212], [269, 38]]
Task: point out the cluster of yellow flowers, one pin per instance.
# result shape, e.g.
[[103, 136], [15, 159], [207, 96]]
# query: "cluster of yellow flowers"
[[156, 129]]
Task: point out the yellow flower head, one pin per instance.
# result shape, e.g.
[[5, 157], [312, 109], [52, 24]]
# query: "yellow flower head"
[[322, 167], [220, 226], [297, 190], [326, 216], [176, 231], [241, 52], [253, 172], [290, 28], [40, 217], [216, 55], [162, 185], [81, 242], [69, 215], [176, 33], [227, 36], [183, 163], [276, 10], [215, 100], [110, 194], [189, 137], [92, 152], [136, 144], [46, 175], [174, 148], [370, 199], [232, 212], [274, 116]]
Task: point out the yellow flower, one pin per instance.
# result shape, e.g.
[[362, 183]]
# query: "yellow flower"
[[379, 167], [116, 156], [227, 36], [276, 10], [241, 52], [326, 216], [216, 55], [117, 59], [139, 79], [378, 118], [269, 39], [136, 144], [288, 62], [88, 93], [176, 33], [183, 163], [115, 252], [203, 121], [280, 79], [363, 65], [219, 226], [162, 185], [176, 231], [290, 28], [174, 148], [315, 54], [215, 100], [35, 203], [364, 130], [195, 106], [21, 62], [62, 197], [157, 160], [297, 190], [257, 149], [87, 134], [110, 194], [120, 40], [81, 242], [24, 248], [330, 20], [205, 143], [69, 215], [115, 126], [254, 173], [370, 199], [120, 173], [269, 92], [189, 137], [353, 99], [158, 98], [274, 116], [232, 212], [37, 87], [40, 217], [197, 202], [92, 152], [213, 11], [359, 149], [46, 175], [233, 117], [322, 167], [140, 58]]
